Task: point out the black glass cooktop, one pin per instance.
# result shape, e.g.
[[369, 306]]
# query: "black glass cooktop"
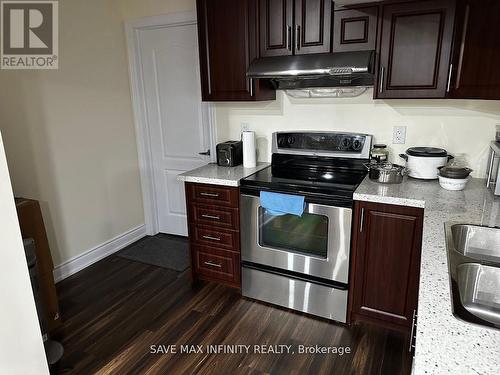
[[319, 179]]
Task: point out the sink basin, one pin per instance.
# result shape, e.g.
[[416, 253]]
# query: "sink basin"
[[479, 289], [474, 268], [476, 242]]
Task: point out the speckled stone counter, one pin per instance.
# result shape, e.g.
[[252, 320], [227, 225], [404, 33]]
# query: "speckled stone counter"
[[215, 175], [445, 345]]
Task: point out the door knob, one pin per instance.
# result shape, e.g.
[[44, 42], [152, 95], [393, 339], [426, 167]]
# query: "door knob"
[[206, 153]]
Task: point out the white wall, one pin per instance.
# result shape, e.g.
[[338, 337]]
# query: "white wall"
[[21, 346], [69, 133], [460, 126]]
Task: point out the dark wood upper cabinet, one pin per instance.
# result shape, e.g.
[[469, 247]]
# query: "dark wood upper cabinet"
[[312, 26], [276, 27], [228, 42], [355, 29], [476, 73], [294, 27], [415, 49], [385, 264]]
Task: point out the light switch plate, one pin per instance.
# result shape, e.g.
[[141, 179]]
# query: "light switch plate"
[[399, 135]]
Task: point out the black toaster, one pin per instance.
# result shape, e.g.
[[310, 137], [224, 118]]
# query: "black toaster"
[[230, 153]]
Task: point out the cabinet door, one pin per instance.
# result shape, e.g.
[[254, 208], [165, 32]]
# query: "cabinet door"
[[228, 43], [415, 49], [312, 26], [355, 29], [476, 73], [386, 264], [275, 26]]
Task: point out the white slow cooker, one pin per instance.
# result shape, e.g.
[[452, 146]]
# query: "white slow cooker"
[[423, 162]]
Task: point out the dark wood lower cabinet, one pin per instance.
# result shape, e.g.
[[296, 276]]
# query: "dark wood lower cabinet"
[[214, 232], [385, 264]]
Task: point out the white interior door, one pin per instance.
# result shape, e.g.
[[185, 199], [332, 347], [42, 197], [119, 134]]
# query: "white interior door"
[[177, 119]]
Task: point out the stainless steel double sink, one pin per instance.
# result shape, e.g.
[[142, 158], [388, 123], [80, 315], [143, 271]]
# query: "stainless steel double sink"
[[474, 267]]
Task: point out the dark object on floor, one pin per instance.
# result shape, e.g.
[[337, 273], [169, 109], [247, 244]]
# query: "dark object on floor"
[[54, 352], [32, 226], [162, 250], [53, 349]]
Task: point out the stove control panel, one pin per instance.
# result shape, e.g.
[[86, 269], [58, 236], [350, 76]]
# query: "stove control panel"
[[323, 143]]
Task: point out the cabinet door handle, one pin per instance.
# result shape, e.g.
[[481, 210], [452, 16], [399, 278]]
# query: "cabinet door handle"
[[449, 78], [250, 83], [462, 47], [381, 81], [208, 263], [212, 195], [297, 37], [490, 168], [211, 217], [362, 220], [289, 38], [211, 238], [411, 346]]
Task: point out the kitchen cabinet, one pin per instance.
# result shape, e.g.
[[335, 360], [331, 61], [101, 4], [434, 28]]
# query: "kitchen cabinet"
[[214, 232], [276, 27], [228, 42], [32, 226], [476, 73], [385, 264], [415, 49], [297, 27], [355, 29]]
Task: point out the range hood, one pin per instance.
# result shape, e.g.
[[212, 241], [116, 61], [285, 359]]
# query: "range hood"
[[318, 70]]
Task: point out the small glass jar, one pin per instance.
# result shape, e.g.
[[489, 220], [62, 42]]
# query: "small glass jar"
[[379, 153]]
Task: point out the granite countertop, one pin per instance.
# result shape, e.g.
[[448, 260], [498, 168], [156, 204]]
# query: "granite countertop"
[[445, 344], [215, 175]]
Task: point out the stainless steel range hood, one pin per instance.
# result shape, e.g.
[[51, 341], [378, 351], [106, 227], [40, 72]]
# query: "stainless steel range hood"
[[318, 70]]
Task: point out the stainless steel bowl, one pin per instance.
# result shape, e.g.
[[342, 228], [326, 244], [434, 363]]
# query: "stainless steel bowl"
[[386, 173]]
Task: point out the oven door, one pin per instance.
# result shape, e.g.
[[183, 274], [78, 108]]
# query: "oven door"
[[316, 244]]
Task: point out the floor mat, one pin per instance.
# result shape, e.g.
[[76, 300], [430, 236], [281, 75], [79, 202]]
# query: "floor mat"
[[162, 250]]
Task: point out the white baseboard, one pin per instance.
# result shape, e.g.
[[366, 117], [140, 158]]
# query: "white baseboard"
[[98, 252]]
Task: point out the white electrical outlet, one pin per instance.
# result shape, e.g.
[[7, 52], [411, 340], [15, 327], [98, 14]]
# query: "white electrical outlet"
[[399, 135], [244, 126]]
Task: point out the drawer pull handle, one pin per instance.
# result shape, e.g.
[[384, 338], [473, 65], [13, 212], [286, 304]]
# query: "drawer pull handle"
[[212, 195], [211, 238], [213, 264], [211, 217]]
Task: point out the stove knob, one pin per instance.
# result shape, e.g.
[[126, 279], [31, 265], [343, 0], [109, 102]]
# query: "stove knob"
[[345, 143], [291, 140], [357, 145]]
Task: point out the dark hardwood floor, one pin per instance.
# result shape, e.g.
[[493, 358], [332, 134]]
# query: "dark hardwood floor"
[[116, 309]]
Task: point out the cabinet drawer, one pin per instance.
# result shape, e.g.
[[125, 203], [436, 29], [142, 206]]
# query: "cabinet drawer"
[[217, 265], [213, 195], [216, 216], [223, 238]]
